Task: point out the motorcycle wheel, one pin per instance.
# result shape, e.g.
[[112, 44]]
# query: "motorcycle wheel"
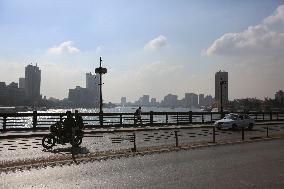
[[48, 141], [77, 141]]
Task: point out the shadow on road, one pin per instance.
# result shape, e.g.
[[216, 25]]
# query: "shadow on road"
[[68, 150]]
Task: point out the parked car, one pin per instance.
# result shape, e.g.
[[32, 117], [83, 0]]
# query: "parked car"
[[235, 121]]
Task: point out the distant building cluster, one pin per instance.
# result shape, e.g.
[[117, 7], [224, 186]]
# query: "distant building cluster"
[[27, 92], [171, 101], [190, 99], [86, 97]]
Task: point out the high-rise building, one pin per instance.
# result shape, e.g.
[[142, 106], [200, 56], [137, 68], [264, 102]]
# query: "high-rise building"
[[32, 82], [143, 101], [190, 100], [92, 85], [208, 100], [170, 101], [22, 83], [201, 100], [154, 102], [81, 97], [221, 79], [92, 81], [123, 100]]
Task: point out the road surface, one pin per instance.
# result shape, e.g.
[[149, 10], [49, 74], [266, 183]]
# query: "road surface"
[[249, 165], [26, 148]]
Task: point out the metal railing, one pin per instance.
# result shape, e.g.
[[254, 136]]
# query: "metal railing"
[[210, 135], [42, 121]]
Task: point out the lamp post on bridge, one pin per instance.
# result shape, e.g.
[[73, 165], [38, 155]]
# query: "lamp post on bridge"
[[221, 98], [100, 70]]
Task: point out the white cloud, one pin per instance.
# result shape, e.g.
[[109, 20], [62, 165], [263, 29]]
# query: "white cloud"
[[263, 40], [65, 47], [156, 43], [99, 49], [256, 55]]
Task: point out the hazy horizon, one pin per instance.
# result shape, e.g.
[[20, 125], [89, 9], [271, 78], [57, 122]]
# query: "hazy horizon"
[[149, 47]]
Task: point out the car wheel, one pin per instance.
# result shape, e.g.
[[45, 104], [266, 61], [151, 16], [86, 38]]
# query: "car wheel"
[[234, 127]]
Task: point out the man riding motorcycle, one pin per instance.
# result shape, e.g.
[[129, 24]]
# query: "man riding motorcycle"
[[68, 124], [70, 131]]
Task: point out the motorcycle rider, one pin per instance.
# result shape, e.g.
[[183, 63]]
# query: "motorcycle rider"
[[79, 120], [68, 124]]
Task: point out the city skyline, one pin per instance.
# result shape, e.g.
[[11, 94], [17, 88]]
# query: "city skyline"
[[175, 48]]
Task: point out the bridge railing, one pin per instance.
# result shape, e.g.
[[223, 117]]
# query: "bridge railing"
[[42, 121]]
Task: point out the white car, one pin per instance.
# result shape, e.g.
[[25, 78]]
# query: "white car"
[[235, 121]]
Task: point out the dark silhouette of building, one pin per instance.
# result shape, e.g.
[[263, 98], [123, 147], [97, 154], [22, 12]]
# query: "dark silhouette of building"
[[170, 101], [190, 100], [86, 97], [92, 85], [22, 83], [11, 95], [143, 101], [123, 101], [32, 83], [221, 76], [201, 100], [208, 100], [81, 97]]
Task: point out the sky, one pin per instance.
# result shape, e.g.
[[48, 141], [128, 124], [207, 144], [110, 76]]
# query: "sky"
[[153, 47]]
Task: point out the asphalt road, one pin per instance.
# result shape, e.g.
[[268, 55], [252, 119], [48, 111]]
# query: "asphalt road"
[[26, 148], [251, 165]]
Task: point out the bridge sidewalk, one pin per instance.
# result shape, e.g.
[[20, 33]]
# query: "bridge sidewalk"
[[41, 133]]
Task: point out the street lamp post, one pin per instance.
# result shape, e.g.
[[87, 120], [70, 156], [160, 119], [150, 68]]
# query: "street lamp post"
[[221, 98], [100, 70]]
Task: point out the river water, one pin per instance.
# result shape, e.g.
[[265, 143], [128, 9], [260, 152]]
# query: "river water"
[[43, 121], [121, 109]]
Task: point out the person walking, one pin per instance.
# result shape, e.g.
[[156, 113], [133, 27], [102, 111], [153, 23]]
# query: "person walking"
[[138, 113]]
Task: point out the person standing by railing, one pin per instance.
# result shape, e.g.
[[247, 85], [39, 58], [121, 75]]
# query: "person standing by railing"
[[137, 115]]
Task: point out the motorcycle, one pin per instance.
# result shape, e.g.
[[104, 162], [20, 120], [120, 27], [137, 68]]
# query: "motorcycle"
[[59, 135]]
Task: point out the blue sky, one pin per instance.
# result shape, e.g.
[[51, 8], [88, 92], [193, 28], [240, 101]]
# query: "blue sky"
[[150, 47]]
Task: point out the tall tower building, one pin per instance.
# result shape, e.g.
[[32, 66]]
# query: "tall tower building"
[[221, 76], [201, 100], [123, 100], [92, 81], [190, 99], [92, 85], [22, 83], [32, 82]]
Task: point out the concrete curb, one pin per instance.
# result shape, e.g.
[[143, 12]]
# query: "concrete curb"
[[77, 159]]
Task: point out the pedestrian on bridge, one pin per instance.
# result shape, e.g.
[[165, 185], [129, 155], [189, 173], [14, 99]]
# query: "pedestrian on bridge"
[[137, 115]]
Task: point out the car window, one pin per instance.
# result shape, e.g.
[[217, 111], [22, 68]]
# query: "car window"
[[230, 116]]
